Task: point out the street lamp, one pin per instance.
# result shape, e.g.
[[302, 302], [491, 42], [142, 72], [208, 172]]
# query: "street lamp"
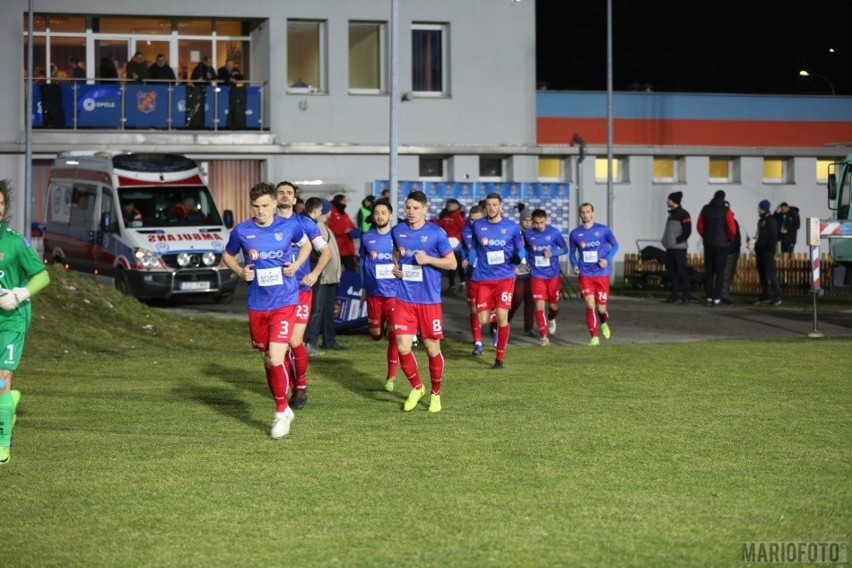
[[804, 73]]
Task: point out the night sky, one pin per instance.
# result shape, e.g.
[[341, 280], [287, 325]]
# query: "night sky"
[[746, 47]]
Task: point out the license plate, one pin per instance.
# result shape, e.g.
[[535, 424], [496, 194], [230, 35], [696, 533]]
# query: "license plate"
[[195, 285]]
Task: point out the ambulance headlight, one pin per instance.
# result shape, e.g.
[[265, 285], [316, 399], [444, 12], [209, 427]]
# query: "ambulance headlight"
[[183, 259], [146, 258], [208, 258]]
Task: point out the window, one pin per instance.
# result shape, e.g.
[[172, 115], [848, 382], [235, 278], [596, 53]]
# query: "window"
[[306, 56], [668, 170], [490, 168], [777, 170], [432, 166], [619, 170], [366, 57], [822, 168], [723, 170], [550, 168], [429, 59]]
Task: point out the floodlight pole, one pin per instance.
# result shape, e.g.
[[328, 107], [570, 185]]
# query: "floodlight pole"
[[393, 145], [610, 214]]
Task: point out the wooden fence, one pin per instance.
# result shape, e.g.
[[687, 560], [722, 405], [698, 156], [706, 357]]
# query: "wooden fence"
[[794, 272]]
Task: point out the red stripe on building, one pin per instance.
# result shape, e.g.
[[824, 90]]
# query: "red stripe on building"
[[694, 132]]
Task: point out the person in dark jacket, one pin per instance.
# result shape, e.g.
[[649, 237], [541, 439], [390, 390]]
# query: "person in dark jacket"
[[731, 262], [788, 222], [717, 228], [676, 233], [765, 243]]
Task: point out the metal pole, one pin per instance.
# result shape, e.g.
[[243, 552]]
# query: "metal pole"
[[394, 108], [29, 194], [610, 214]]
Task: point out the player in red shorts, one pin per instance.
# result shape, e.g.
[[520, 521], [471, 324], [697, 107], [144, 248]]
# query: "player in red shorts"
[[380, 284], [592, 248], [421, 252], [495, 239]]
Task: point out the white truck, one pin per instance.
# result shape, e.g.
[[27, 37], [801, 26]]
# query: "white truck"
[[145, 220]]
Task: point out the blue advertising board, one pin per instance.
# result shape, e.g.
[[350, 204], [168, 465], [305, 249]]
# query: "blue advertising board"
[[98, 106]]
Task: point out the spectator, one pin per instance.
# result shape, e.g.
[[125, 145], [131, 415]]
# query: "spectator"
[[225, 73], [717, 229], [345, 232], [451, 219], [676, 233], [788, 221], [364, 217], [731, 261], [765, 242], [106, 69], [161, 71], [322, 311], [78, 68], [136, 70], [203, 72]]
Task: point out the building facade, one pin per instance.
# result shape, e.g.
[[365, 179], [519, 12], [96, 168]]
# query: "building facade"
[[466, 109]]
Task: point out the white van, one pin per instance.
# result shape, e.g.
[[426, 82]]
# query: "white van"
[[145, 220]]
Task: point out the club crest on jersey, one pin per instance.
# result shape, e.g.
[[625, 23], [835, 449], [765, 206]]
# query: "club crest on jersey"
[[279, 236], [503, 231], [424, 238]]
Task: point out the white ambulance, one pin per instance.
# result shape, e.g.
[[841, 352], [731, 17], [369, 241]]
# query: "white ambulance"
[[145, 220]]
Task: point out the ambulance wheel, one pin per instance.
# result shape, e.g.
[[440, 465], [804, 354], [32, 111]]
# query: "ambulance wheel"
[[122, 283]]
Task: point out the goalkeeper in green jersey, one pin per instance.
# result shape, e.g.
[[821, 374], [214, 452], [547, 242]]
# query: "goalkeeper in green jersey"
[[22, 274]]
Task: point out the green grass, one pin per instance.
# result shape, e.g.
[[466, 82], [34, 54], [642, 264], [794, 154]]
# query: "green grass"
[[142, 440]]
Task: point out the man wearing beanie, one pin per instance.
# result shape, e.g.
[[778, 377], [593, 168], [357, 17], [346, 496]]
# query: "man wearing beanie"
[[676, 233], [717, 229], [764, 249]]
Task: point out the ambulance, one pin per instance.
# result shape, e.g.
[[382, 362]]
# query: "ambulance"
[[146, 221]]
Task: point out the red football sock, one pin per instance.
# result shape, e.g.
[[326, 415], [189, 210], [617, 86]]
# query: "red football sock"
[[408, 362], [436, 372], [393, 355], [502, 340], [541, 322], [475, 328], [591, 321], [300, 355], [276, 378]]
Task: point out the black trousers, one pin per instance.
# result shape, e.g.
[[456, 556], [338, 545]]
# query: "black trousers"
[[770, 288], [678, 273], [715, 258]]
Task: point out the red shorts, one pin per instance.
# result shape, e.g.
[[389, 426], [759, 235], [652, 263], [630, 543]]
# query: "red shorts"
[[470, 288], [597, 286], [380, 311], [303, 309], [273, 326], [428, 319], [493, 294], [546, 289]]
